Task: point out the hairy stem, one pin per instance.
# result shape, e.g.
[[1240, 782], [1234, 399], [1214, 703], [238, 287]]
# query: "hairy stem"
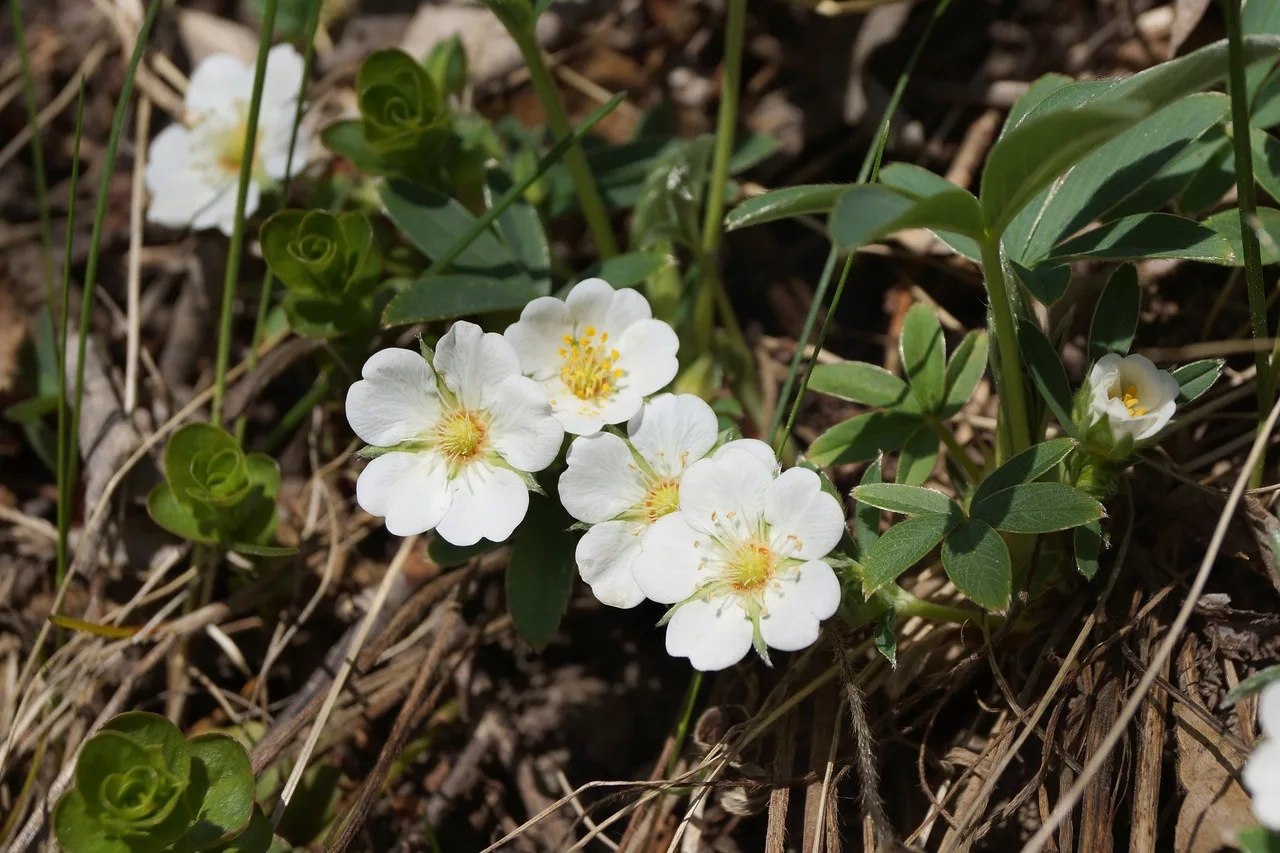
[[1013, 400]]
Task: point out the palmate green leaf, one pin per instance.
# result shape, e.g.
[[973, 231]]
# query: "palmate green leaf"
[[541, 571], [1046, 282], [918, 456], [629, 269], [1026, 467], [1036, 508], [902, 546], [861, 382], [862, 437], [785, 203], [916, 181], [924, 355], [869, 212], [1196, 378], [1087, 544], [221, 792], [866, 517], [1148, 235], [908, 500], [1115, 318], [964, 372], [1047, 373], [977, 561]]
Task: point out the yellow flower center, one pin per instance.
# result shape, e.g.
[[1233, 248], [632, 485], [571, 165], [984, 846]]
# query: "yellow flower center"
[[462, 435], [662, 499], [587, 365], [1129, 396], [230, 146], [751, 565]]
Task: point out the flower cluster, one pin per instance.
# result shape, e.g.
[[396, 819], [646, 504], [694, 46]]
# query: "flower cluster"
[[674, 512], [1262, 774]]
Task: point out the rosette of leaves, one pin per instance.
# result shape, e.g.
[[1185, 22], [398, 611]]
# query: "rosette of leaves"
[[909, 412], [140, 786], [215, 493], [329, 267]]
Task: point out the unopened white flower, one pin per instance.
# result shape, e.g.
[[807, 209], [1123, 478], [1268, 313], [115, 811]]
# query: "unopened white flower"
[[621, 487], [743, 558], [597, 353], [466, 432], [193, 170], [1262, 773], [1137, 397]]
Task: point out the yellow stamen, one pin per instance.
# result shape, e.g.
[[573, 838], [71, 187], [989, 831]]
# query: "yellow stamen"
[[752, 565], [462, 435], [1129, 396], [588, 369], [662, 499]]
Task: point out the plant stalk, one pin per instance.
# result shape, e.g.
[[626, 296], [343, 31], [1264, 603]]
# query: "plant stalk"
[[726, 124], [1013, 398]]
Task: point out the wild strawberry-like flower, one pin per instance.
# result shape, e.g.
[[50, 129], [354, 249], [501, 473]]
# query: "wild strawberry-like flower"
[[622, 486], [193, 169], [597, 353], [1137, 397], [743, 560], [462, 432], [1262, 773]]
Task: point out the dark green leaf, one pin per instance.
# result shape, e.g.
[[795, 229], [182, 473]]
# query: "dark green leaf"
[[541, 571], [1196, 378], [785, 203], [1046, 371], [1115, 318], [1039, 89], [166, 511], [866, 517], [885, 639], [1250, 685], [902, 546], [669, 206], [346, 139], [1026, 467], [977, 561], [1148, 235], [1046, 282], [449, 295], [918, 456], [1087, 542], [915, 181], [1037, 508], [521, 229], [909, 500], [964, 372], [1258, 839], [861, 438], [860, 382], [221, 792], [869, 212], [1172, 180], [1211, 181], [629, 269], [1227, 223], [256, 838], [924, 355], [1266, 161]]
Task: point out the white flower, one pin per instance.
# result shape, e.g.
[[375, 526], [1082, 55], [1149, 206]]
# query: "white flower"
[[1262, 774], [621, 489], [465, 434], [1137, 397], [598, 353], [193, 170], [742, 560]]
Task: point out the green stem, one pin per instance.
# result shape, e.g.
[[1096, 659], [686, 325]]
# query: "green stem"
[[810, 317], [317, 392], [1013, 399], [682, 726], [726, 124], [956, 450], [235, 250], [1248, 207], [593, 209], [905, 604]]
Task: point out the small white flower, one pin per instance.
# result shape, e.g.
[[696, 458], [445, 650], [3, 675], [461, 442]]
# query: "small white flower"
[[1137, 397], [193, 170], [465, 433], [743, 558], [621, 489], [598, 353], [1262, 773]]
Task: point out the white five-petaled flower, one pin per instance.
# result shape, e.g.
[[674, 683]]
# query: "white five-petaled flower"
[[621, 487], [1137, 397], [597, 353], [193, 170], [465, 430], [1262, 773], [743, 558]]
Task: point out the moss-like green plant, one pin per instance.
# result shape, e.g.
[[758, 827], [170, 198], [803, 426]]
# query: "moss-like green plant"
[[140, 786]]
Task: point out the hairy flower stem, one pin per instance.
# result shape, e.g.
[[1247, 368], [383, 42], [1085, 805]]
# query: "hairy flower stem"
[[1015, 435], [1248, 206]]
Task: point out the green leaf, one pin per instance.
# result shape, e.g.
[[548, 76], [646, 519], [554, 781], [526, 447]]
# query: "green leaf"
[[346, 139], [451, 295], [918, 182], [197, 452], [861, 438], [1036, 152], [918, 456], [541, 571], [977, 561], [902, 546], [1039, 89], [154, 732], [1196, 378], [1087, 544], [1172, 179], [885, 639], [924, 355], [1026, 467], [1047, 283], [627, 270], [221, 792], [1115, 318], [669, 206], [785, 203], [166, 511], [1227, 223], [255, 550], [1148, 235], [78, 831], [1211, 181], [908, 500], [964, 372], [256, 837], [866, 517], [1164, 83], [1037, 508], [869, 212], [1258, 839], [1266, 161], [1047, 373], [860, 382], [521, 229], [1250, 685]]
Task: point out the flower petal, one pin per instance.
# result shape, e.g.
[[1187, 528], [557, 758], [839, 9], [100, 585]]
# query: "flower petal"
[[521, 425], [220, 213], [472, 363], [711, 634], [178, 191], [601, 480], [488, 503], [281, 83], [411, 490], [673, 431], [1269, 710], [538, 336], [1261, 777], [796, 604], [647, 356], [667, 568], [591, 302], [606, 556], [806, 521], [396, 401], [219, 83], [727, 488]]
